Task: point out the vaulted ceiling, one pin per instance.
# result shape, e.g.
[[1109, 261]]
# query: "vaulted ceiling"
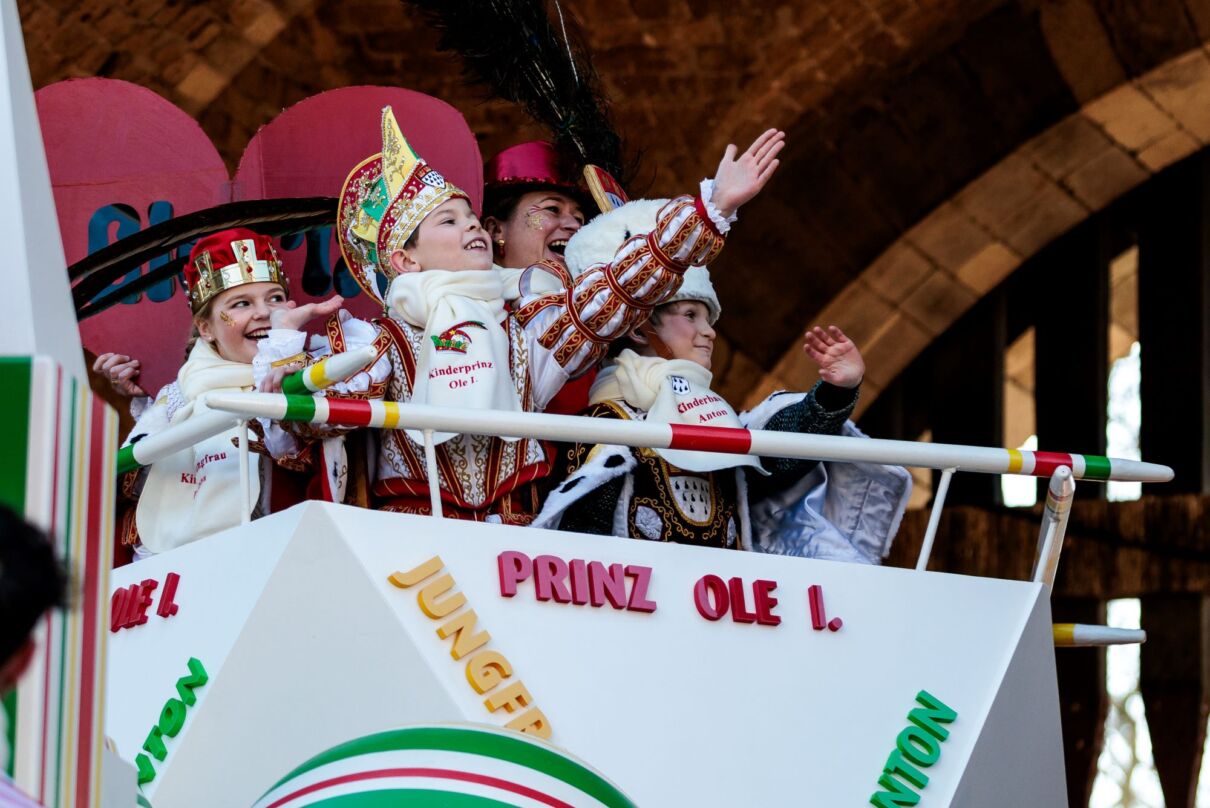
[[896, 110]]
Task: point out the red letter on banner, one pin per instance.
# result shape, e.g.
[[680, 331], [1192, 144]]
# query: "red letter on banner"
[[710, 597], [550, 572], [762, 591], [638, 591], [144, 600], [168, 607], [739, 609], [117, 609], [514, 568]]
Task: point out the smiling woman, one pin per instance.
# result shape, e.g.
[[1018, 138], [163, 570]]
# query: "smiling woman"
[[536, 228], [531, 206], [235, 282]]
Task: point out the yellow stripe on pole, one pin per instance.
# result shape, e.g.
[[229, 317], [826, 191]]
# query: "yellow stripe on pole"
[[1065, 633], [390, 415], [1015, 461], [319, 376]]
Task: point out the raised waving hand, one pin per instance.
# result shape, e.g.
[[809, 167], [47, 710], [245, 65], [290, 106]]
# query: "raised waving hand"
[[739, 179], [839, 361]]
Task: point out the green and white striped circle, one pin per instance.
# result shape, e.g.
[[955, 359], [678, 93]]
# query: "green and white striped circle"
[[448, 766]]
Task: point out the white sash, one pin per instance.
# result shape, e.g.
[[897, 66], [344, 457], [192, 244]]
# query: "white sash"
[[464, 361], [671, 391], [196, 491]]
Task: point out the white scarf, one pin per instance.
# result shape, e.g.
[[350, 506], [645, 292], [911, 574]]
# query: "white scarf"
[[671, 391], [196, 491], [464, 359]]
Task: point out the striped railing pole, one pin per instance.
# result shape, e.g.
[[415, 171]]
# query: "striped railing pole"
[[336, 368], [327, 372], [570, 428], [1059, 494], [1079, 635], [174, 438]]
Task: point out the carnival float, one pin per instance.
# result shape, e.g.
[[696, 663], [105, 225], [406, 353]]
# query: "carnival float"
[[333, 655]]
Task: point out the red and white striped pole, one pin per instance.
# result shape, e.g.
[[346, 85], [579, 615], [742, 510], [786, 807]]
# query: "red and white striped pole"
[[574, 429]]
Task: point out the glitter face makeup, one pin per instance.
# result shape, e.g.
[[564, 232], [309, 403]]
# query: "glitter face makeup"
[[534, 218], [537, 229], [222, 315]]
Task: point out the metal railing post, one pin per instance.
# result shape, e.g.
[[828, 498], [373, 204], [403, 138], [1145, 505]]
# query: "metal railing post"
[[430, 465], [1054, 525], [245, 481], [926, 547]]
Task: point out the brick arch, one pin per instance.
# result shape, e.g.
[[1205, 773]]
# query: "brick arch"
[[961, 250]]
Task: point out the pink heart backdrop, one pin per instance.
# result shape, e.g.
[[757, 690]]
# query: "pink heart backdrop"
[[122, 158]]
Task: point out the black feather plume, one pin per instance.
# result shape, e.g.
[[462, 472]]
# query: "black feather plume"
[[517, 50], [93, 275]]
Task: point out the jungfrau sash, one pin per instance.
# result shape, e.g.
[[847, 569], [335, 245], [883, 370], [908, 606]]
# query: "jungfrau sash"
[[196, 491], [671, 391]]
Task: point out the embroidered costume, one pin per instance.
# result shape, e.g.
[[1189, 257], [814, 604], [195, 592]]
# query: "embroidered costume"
[[196, 491], [450, 339], [834, 511], [837, 511]]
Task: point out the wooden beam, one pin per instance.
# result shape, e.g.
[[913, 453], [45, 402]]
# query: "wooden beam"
[[967, 401], [1113, 550], [1174, 679], [1083, 699], [1174, 324], [1071, 357]]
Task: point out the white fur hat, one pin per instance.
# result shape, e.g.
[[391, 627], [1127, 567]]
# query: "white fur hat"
[[697, 286], [597, 241]]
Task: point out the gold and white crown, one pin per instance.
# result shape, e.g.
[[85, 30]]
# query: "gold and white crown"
[[383, 201]]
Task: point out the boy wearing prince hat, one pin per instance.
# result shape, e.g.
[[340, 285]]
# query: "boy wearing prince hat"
[[449, 339]]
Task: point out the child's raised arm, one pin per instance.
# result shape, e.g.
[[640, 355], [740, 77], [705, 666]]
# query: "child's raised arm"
[[739, 180], [294, 317]]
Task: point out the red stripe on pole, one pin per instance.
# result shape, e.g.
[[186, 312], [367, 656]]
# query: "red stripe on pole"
[[710, 438], [99, 468], [1045, 463], [437, 774], [351, 413]]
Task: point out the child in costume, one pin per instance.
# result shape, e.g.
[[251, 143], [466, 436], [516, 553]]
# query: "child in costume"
[[837, 511], [234, 280], [450, 339]]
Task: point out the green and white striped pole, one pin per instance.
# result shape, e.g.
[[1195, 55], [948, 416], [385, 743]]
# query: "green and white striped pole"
[[174, 439], [322, 374], [327, 372]]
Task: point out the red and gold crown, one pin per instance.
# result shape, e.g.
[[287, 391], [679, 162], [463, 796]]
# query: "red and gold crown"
[[227, 259], [383, 201]]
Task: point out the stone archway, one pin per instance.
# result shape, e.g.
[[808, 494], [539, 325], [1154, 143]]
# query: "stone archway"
[[938, 269]]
